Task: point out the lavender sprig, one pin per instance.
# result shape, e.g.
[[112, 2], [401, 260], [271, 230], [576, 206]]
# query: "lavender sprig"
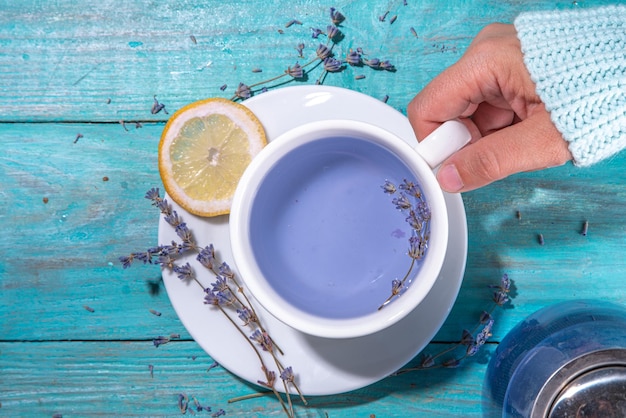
[[408, 199], [225, 294], [470, 341], [324, 57]]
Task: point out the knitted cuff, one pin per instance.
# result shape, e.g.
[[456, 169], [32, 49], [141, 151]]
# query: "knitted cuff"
[[577, 59]]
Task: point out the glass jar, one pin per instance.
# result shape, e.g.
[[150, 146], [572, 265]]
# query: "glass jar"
[[565, 360]]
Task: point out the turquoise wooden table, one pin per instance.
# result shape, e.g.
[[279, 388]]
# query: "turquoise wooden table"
[[79, 141]]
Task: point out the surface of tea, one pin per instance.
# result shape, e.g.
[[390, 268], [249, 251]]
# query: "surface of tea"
[[324, 233]]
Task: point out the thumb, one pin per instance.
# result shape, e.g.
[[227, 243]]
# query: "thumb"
[[532, 144]]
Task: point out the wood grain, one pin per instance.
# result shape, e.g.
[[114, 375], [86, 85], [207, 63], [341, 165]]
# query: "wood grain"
[[76, 329], [114, 378], [64, 63]]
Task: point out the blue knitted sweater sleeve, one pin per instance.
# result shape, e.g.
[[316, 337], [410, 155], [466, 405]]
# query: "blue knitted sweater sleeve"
[[577, 59]]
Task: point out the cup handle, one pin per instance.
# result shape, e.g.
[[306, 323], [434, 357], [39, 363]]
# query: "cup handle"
[[444, 141]]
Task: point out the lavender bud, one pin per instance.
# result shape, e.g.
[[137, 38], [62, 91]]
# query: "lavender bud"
[[332, 31], [389, 187], [243, 91], [300, 48], [386, 65], [353, 58], [287, 375], [322, 51], [316, 32], [332, 65], [373, 63], [296, 71], [336, 17]]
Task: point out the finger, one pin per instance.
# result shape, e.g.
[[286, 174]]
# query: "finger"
[[489, 118], [445, 97], [526, 146], [490, 71]]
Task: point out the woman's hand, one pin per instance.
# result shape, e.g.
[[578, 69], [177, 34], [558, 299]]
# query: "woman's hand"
[[491, 91]]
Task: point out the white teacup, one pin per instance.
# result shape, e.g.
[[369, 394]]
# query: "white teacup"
[[316, 240]]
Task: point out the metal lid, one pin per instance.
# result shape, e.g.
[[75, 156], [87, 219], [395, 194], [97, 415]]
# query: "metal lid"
[[597, 393], [592, 385]]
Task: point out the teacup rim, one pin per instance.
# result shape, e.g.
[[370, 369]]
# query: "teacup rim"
[[306, 322]]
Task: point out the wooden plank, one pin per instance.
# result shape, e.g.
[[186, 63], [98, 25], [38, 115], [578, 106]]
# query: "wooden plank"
[[60, 62], [68, 247], [114, 379], [63, 255]]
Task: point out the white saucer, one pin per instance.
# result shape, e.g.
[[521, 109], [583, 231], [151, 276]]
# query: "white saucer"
[[323, 366]]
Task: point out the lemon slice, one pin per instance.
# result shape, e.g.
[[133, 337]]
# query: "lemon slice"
[[205, 148]]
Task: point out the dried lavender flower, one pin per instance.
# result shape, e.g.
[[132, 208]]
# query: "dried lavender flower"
[[336, 17], [505, 283], [316, 33], [353, 58], [225, 298], [481, 339], [332, 65], [386, 65], [322, 51], [466, 338], [220, 285], [417, 246], [332, 32], [296, 71], [396, 287], [262, 339], [206, 256], [183, 403], [451, 363], [402, 202], [300, 48], [271, 379], [243, 91], [224, 270], [160, 340], [211, 298], [500, 298], [213, 365], [153, 194], [184, 272], [247, 316], [183, 232], [126, 261], [157, 107], [287, 375], [484, 317], [389, 187], [372, 63]]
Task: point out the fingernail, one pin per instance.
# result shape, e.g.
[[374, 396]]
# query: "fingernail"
[[449, 178]]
